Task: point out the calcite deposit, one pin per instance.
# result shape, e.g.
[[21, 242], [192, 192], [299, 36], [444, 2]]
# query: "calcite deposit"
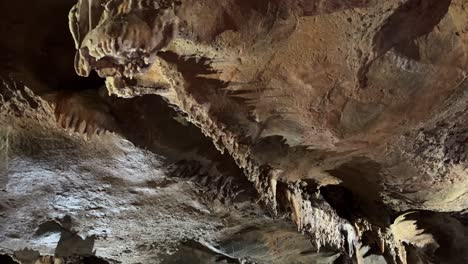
[[234, 131]]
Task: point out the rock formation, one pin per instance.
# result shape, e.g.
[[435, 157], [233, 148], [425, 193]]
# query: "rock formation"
[[235, 131]]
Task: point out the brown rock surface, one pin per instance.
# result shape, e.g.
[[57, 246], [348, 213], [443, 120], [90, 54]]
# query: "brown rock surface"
[[346, 117]]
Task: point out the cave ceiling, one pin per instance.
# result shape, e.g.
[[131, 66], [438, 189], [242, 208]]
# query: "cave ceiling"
[[234, 131]]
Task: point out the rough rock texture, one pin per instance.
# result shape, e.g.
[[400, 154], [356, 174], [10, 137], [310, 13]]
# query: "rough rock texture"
[[346, 117], [68, 197]]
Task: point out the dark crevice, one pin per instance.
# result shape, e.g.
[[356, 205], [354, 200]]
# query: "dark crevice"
[[284, 206], [340, 198], [360, 184], [94, 260], [5, 259]]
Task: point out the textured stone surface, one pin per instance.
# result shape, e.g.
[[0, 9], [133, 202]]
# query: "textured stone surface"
[[347, 117], [64, 196]]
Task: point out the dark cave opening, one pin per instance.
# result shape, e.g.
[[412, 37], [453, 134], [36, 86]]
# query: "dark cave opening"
[[340, 198]]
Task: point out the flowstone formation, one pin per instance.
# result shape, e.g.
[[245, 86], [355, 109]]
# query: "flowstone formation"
[[344, 118]]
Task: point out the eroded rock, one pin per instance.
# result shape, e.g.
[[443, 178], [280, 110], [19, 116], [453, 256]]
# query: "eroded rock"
[[342, 115]]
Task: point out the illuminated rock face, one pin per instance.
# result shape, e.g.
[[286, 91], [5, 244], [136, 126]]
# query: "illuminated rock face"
[[345, 118]]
